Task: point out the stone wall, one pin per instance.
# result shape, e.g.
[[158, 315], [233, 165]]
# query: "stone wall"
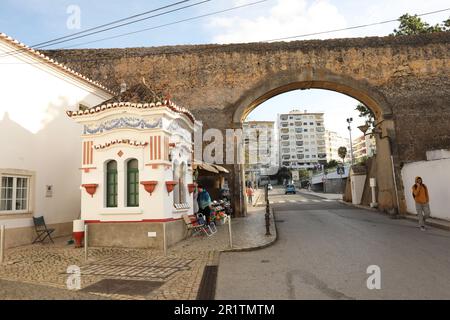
[[408, 76], [404, 80]]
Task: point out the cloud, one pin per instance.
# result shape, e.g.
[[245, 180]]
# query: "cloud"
[[286, 18]]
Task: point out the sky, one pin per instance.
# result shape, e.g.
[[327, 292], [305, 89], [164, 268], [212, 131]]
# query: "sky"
[[36, 21]]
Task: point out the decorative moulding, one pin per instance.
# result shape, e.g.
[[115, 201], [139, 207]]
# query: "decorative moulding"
[[90, 188], [149, 186], [170, 185]]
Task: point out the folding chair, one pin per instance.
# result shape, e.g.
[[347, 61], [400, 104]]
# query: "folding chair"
[[211, 227], [41, 229], [195, 226]]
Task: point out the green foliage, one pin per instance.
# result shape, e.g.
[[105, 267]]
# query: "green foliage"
[[414, 25], [331, 164], [363, 161], [365, 112], [284, 173], [303, 174], [342, 152]]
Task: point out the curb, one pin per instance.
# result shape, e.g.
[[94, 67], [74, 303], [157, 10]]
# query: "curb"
[[265, 245], [401, 216], [429, 223], [359, 206]]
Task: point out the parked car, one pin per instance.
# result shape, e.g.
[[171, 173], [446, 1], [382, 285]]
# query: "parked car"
[[269, 187], [290, 188]]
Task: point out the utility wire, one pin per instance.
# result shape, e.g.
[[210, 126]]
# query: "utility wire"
[[212, 46], [167, 24], [351, 28], [111, 23], [125, 24], [74, 35]]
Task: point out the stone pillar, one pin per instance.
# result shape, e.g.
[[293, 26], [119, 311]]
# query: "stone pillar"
[[387, 195]]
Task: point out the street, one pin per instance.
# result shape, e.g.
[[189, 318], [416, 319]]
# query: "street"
[[324, 250]]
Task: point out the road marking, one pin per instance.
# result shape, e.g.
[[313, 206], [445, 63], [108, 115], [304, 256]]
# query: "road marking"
[[292, 201], [316, 200], [281, 201]]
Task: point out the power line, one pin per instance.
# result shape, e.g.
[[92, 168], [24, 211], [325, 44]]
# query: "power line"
[[111, 23], [353, 27], [167, 24], [55, 41], [215, 46], [125, 24]]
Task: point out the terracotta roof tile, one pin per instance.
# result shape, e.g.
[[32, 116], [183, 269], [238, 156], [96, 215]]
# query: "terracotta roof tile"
[[24, 48]]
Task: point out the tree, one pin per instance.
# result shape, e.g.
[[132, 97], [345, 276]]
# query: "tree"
[[283, 174], [331, 164], [414, 25], [342, 152], [365, 112], [303, 174]]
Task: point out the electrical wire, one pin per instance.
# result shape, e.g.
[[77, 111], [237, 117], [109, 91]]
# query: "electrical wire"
[[74, 35]]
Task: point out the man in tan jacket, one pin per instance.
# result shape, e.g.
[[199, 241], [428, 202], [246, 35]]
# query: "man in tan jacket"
[[420, 195]]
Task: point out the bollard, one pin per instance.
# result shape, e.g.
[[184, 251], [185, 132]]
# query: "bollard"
[[267, 212], [2, 243], [85, 242], [229, 231]]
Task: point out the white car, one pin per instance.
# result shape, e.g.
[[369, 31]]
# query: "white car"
[[269, 187]]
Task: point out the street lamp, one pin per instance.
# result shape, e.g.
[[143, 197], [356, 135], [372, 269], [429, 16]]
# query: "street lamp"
[[349, 121]]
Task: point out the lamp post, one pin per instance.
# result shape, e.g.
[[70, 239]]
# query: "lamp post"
[[349, 121]]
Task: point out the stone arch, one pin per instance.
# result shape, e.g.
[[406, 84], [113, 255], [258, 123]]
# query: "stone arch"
[[310, 78]]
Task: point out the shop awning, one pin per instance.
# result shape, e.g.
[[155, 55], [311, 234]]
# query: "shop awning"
[[221, 169], [210, 167], [205, 166]]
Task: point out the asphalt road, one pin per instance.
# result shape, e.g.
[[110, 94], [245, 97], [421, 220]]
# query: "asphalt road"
[[324, 249]]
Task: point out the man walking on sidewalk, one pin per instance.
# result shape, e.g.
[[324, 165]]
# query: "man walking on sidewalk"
[[422, 199], [250, 193]]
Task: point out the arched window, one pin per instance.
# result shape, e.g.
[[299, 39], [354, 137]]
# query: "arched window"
[[176, 178], [132, 183], [111, 184]]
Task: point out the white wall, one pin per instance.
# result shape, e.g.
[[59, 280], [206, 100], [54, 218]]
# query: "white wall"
[[159, 205], [436, 175], [37, 135]]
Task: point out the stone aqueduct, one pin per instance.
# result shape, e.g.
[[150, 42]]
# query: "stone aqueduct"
[[404, 80]]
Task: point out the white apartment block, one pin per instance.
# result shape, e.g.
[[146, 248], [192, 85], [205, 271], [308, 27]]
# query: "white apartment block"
[[333, 142], [260, 146], [301, 139], [363, 146]]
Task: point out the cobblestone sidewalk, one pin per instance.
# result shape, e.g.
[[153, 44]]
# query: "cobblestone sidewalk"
[[180, 272]]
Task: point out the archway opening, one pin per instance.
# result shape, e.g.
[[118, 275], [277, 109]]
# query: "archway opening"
[[307, 129]]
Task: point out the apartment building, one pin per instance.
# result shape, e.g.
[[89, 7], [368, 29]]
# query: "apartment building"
[[333, 142], [260, 148], [301, 139], [363, 146]]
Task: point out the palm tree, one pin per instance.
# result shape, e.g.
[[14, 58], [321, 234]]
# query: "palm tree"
[[342, 152]]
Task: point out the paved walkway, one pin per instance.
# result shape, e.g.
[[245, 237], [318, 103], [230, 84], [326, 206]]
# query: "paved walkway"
[[34, 269]]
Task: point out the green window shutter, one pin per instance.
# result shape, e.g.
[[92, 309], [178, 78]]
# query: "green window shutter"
[[111, 184], [132, 183]]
